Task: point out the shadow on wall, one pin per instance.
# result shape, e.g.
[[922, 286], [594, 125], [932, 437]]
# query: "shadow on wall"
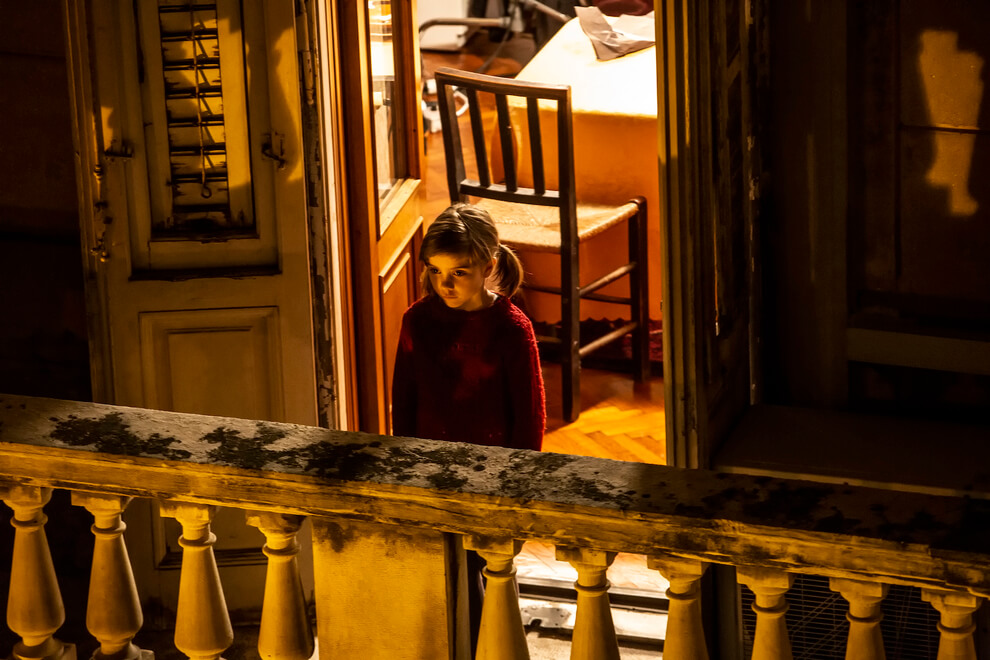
[[931, 267], [945, 160]]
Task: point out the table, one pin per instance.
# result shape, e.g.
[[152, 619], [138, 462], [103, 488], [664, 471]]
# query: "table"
[[614, 107]]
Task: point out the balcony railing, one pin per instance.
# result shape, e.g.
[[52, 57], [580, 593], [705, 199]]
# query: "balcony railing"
[[402, 499]]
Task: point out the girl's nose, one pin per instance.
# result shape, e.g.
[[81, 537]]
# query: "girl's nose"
[[447, 281]]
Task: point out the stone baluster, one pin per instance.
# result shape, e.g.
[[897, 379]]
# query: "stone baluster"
[[685, 637], [770, 587], [594, 633], [286, 632], [865, 641], [956, 625], [113, 610], [202, 624], [502, 636], [34, 604]]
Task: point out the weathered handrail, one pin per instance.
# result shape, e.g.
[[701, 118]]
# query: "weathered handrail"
[[800, 526], [368, 492]]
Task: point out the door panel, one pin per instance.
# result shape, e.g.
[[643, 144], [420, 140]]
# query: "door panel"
[[728, 176], [398, 290], [219, 362], [206, 263]]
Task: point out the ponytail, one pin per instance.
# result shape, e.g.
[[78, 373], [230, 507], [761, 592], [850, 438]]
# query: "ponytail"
[[508, 274]]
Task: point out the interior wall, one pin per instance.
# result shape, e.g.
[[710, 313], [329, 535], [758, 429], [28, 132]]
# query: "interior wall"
[[43, 346]]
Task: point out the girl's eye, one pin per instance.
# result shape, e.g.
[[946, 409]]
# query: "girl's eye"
[[460, 273], [434, 271]]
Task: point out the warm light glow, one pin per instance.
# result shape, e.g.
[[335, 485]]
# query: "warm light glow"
[[954, 89]]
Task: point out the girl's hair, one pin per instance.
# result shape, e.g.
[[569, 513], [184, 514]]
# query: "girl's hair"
[[469, 230]]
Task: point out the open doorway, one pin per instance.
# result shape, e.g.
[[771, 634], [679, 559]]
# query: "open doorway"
[[619, 418]]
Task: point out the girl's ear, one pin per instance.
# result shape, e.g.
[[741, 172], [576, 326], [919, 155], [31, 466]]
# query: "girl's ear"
[[490, 268]]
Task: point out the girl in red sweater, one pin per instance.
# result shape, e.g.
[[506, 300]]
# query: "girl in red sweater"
[[467, 367]]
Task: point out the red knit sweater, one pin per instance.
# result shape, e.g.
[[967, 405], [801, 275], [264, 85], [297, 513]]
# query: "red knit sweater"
[[468, 376]]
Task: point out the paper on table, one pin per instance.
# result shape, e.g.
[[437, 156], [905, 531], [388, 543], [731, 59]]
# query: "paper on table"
[[626, 35]]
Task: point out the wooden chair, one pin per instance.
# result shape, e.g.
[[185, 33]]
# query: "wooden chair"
[[538, 219]]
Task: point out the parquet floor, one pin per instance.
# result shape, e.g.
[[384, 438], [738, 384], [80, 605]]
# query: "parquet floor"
[[620, 419]]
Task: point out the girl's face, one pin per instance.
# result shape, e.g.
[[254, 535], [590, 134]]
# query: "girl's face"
[[460, 282]]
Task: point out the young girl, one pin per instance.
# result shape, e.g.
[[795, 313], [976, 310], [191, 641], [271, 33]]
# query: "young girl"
[[467, 367]]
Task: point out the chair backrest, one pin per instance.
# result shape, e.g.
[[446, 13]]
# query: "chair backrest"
[[535, 192]]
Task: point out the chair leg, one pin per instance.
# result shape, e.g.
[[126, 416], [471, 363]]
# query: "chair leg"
[[570, 358], [639, 292]]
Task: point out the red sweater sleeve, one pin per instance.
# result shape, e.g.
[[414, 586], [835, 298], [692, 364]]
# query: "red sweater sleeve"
[[403, 385], [528, 398]]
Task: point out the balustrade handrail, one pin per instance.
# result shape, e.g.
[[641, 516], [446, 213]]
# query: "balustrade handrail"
[[799, 526]]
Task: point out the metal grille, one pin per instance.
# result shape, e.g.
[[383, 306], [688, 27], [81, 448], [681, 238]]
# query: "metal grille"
[[817, 625], [909, 625], [197, 150]]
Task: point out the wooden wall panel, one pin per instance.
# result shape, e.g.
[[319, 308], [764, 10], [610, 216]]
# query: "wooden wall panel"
[[918, 211], [945, 215], [398, 291], [943, 63], [944, 166], [873, 134]]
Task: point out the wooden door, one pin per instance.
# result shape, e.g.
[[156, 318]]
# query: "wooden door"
[[709, 69], [917, 326], [378, 76], [194, 208]]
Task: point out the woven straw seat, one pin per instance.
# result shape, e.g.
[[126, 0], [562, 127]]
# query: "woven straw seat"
[[537, 228], [533, 218]]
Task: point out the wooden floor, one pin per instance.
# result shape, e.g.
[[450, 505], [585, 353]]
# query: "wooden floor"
[[619, 419]]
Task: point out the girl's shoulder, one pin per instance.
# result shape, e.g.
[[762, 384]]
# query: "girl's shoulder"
[[422, 306], [418, 315], [512, 316]]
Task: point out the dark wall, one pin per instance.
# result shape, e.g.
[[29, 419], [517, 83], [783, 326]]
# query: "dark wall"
[[43, 348], [803, 254]]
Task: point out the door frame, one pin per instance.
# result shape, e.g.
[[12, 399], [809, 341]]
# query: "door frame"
[[678, 84], [90, 190], [366, 250], [709, 380]]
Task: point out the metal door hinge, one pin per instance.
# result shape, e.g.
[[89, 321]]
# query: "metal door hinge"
[[101, 249], [754, 189], [123, 151], [268, 148]]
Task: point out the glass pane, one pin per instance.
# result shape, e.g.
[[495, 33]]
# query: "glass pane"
[[388, 154]]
